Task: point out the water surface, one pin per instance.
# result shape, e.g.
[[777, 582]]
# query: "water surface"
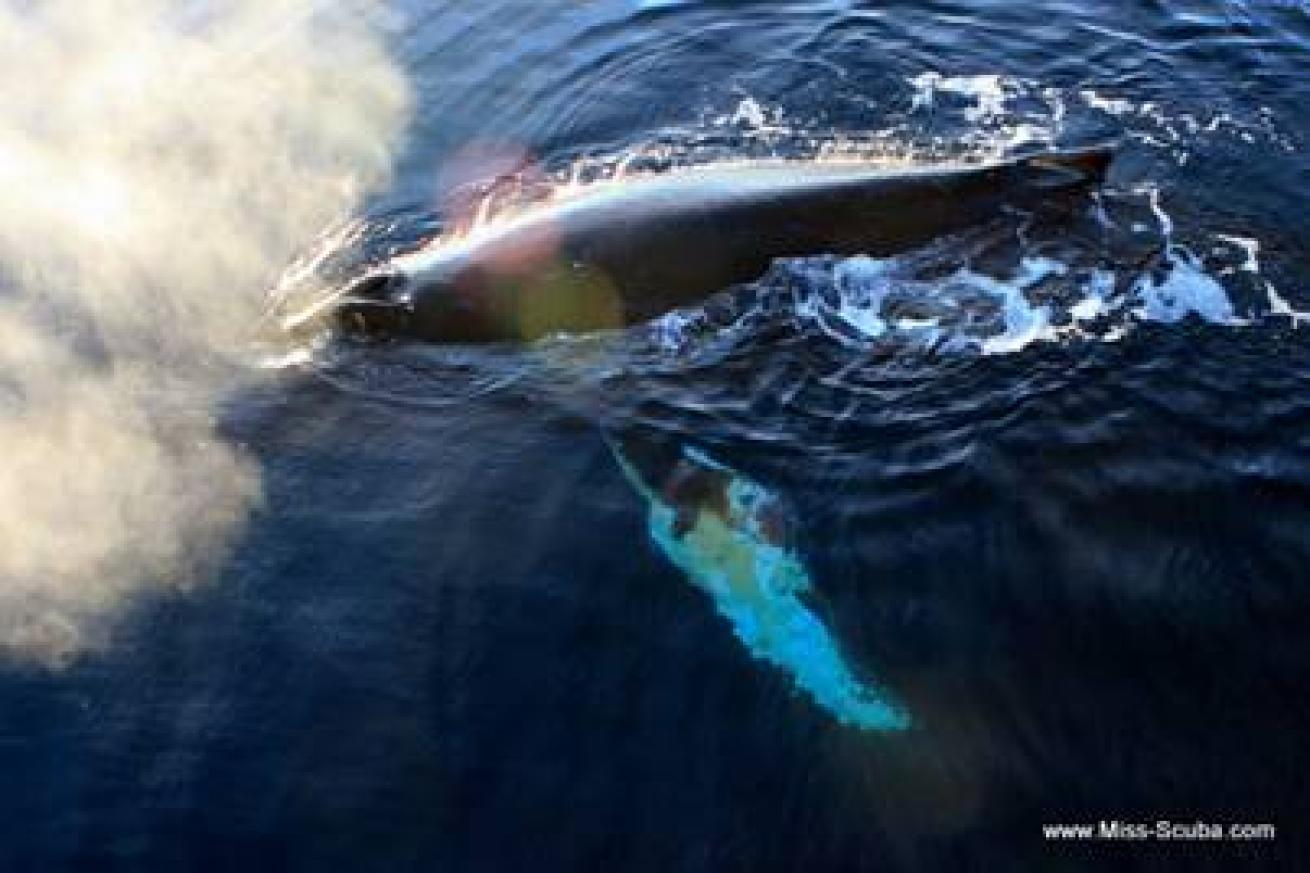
[[1045, 485]]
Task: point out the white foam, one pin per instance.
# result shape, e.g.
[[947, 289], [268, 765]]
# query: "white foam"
[[1186, 289], [1166, 222], [1095, 304], [1250, 251], [1111, 105], [1024, 323], [862, 285], [749, 112], [990, 106], [1278, 304], [988, 91]]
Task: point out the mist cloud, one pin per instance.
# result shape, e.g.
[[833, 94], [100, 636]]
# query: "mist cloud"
[[160, 161]]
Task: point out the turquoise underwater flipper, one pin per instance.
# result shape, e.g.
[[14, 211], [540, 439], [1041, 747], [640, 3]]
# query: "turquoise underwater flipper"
[[724, 532]]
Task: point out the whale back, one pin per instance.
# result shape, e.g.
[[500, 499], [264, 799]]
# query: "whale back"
[[631, 252]]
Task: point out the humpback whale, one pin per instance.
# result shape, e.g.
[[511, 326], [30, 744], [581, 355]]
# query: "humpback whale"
[[730, 536], [626, 251]]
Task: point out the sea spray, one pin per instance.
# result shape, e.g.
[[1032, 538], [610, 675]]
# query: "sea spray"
[[161, 161]]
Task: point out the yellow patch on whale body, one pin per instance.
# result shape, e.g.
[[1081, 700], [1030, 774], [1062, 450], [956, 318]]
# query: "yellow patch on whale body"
[[564, 296]]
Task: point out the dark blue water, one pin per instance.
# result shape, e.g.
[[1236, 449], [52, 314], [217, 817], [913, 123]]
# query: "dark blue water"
[[1049, 488]]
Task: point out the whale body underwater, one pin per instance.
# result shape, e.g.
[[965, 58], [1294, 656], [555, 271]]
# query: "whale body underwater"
[[628, 251]]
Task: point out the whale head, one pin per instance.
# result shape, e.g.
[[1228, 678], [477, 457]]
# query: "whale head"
[[374, 306], [439, 303]]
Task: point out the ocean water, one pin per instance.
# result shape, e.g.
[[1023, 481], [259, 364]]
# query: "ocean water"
[[1015, 526]]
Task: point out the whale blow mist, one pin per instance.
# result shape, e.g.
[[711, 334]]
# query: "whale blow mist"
[[160, 160]]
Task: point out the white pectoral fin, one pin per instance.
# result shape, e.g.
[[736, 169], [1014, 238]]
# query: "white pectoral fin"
[[757, 585]]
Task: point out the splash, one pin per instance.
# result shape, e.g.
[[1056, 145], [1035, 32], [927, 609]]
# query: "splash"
[[998, 114], [990, 93], [161, 160], [1250, 265], [997, 291], [729, 548], [937, 118], [896, 304]]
